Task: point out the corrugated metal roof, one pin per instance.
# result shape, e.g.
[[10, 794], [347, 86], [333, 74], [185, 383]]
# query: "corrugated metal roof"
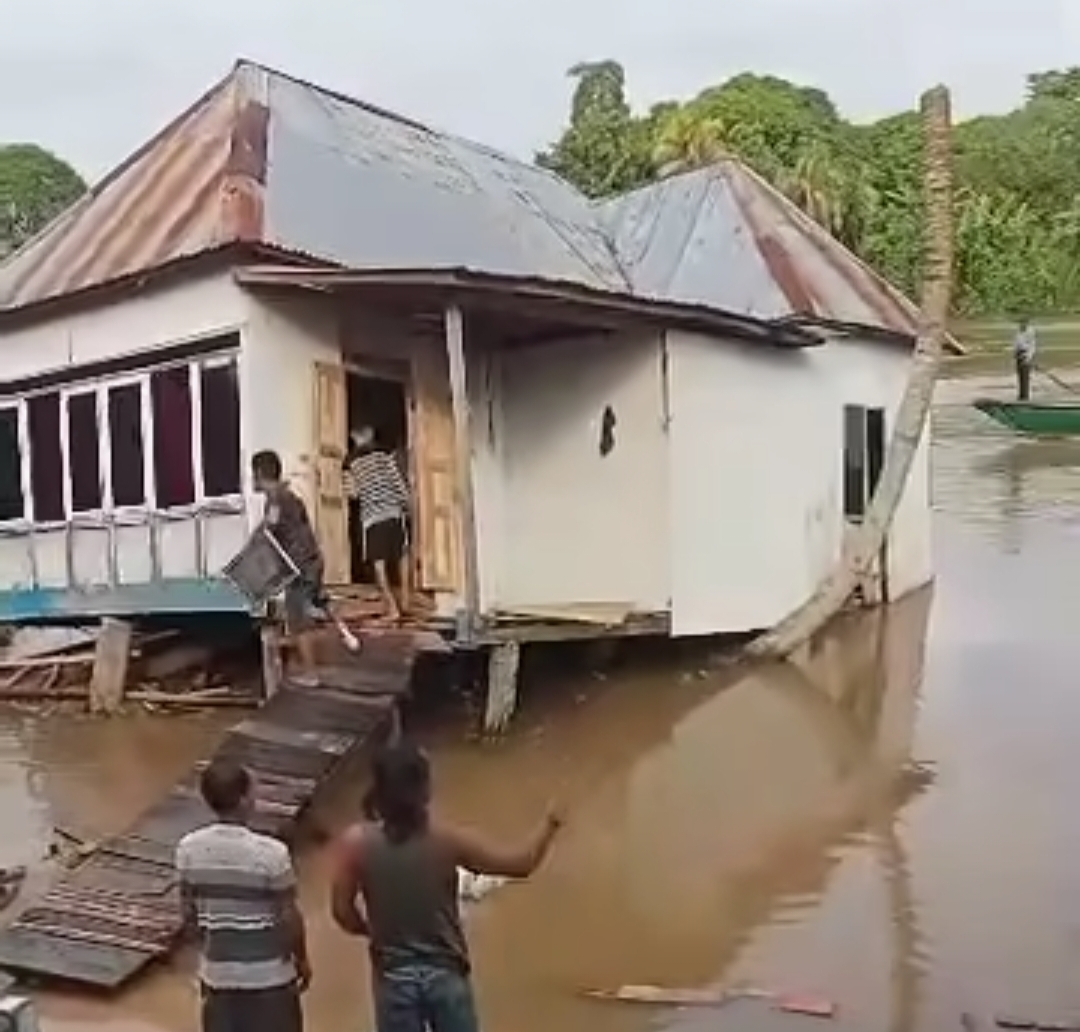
[[350, 184], [267, 159], [165, 202], [722, 236]]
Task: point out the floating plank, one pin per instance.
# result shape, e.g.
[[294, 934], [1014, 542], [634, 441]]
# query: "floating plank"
[[119, 910]]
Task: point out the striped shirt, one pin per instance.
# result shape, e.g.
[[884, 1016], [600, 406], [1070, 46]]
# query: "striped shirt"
[[375, 481], [238, 881]]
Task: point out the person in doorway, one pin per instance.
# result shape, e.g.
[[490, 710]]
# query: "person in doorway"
[[1024, 345], [395, 882], [306, 601], [238, 892], [374, 479]]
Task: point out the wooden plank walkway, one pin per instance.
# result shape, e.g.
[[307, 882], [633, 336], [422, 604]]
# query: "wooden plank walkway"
[[107, 919]]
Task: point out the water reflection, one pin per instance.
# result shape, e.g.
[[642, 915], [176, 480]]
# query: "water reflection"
[[768, 826]]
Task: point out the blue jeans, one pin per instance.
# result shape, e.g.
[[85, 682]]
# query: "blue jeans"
[[421, 997]]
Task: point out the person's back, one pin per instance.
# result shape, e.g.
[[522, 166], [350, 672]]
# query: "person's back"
[[238, 892], [236, 877], [379, 486], [410, 893], [402, 868], [288, 519]]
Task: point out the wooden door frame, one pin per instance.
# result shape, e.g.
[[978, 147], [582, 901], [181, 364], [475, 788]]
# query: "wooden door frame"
[[400, 371]]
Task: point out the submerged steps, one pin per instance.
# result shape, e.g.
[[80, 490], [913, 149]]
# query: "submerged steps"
[[119, 910]]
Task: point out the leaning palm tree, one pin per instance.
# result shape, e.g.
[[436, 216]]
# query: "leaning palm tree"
[[863, 546], [689, 140]]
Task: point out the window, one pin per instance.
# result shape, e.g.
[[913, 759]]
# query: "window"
[[46, 457], [170, 401], [220, 429], [12, 504], [864, 455], [166, 437], [127, 456], [84, 455]]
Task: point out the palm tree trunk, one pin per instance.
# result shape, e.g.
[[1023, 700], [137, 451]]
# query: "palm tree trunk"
[[863, 544]]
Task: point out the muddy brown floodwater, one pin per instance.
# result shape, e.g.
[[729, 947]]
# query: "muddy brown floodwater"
[[891, 824]]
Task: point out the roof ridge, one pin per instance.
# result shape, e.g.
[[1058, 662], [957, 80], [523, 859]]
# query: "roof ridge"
[[395, 116]]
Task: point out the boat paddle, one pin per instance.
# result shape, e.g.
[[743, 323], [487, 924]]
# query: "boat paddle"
[[1056, 379]]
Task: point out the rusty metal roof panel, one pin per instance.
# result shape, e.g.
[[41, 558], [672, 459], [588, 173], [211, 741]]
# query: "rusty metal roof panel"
[[354, 185], [723, 237], [164, 203]]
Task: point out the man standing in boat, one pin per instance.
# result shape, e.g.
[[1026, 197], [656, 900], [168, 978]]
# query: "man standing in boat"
[[1024, 344]]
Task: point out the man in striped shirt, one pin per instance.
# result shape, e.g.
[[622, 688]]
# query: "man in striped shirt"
[[238, 892], [373, 479]]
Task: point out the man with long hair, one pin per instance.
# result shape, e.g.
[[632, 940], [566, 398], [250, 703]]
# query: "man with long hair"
[[395, 882]]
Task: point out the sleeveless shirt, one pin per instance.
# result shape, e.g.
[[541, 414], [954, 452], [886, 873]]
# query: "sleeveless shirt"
[[410, 892]]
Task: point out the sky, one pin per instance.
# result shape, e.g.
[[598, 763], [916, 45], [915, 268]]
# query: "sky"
[[92, 80]]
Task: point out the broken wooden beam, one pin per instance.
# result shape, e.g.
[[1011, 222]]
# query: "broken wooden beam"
[[111, 658]]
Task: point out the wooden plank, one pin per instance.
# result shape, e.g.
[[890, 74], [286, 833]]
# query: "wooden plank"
[[321, 741], [438, 525], [37, 952], [119, 909], [330, 433], [463, 466], [111, 657]]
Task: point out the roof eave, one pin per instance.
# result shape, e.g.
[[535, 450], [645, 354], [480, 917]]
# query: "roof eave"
[[866, 331], [464, 281]]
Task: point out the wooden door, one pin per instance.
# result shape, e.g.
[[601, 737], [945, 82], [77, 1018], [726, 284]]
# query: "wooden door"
[[330, 435], [438, 527]]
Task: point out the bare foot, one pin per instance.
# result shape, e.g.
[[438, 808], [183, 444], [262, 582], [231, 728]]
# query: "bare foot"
[[305, 680]]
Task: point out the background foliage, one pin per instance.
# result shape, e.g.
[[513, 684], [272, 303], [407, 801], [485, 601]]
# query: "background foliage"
[[1018, 175], [35, 186]]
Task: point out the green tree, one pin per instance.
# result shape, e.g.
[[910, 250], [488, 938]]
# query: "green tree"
[[1017, 199], [35, 186], [604, 150]]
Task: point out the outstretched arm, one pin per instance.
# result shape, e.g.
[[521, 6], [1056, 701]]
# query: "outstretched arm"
[[519, 860]]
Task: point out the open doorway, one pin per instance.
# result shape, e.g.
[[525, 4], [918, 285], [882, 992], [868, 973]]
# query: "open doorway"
[[382, 404]]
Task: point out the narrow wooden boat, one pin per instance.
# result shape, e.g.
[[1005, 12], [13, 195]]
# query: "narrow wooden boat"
[[1035, 418]]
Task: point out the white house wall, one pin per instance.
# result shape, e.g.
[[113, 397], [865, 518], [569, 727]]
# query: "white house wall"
[[78, 558], [286, 338], [132, 325], [756, 485], [578, 526], [484, 375]]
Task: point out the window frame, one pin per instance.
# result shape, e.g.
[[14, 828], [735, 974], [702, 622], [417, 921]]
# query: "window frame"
[[99, 388], [869, 476], [146, 429], [22, 439], [94, 391]]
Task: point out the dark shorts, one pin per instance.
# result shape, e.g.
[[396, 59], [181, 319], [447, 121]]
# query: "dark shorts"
[[305, 602], [252, 1010], [421, 997], [384, 541]]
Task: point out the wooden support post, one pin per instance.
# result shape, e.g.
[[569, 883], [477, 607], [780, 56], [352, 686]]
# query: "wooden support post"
[[502, 686], [111, 657], [463, 480], [272, 672]]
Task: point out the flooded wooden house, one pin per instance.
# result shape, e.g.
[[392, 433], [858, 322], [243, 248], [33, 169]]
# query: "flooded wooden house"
[[656, 414]]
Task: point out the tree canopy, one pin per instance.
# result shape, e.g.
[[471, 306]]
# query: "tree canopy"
[[1017, 175], [35, 186]]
